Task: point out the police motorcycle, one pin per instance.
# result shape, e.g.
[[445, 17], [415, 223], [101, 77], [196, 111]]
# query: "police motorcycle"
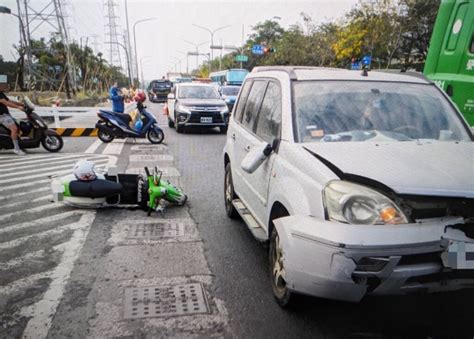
[[86, 188], [33, 131], [113, 125]]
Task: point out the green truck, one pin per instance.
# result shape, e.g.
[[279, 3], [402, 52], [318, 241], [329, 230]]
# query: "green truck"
[[450, 60]]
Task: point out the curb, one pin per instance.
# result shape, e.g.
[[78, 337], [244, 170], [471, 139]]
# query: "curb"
[[76, 132]]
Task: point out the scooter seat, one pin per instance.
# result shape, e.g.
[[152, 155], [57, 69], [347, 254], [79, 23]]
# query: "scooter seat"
[[98, 188], [122, 116]]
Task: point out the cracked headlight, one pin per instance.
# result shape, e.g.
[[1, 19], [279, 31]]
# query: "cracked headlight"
[[356, 204]]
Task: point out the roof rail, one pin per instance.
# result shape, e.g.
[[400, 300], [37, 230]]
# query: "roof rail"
[[287, 69], [403, 72]]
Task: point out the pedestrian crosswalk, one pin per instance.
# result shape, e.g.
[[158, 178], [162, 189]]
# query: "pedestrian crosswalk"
[[39, 239]]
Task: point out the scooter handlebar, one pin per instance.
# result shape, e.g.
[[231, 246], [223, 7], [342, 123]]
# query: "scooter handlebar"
[[147, 171]]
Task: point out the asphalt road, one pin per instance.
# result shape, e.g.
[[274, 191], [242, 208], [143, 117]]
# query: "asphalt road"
[[68, 276]]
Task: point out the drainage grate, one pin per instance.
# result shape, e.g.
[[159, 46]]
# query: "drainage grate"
[[157, 230], [164, 301]]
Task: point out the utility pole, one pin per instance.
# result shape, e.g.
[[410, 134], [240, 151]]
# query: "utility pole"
[[33, 16], [112, 28]]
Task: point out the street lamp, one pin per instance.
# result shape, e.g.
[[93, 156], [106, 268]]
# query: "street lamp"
[[135, 39], [197, 49], [128, 58], [212, 37]]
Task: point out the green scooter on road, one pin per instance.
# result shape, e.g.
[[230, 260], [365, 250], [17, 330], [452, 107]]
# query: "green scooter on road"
[[110, 189]]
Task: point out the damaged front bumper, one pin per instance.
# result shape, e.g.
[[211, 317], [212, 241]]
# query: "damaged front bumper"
[[346, 262]]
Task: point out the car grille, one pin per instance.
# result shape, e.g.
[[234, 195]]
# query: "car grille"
[[424, 207], [196, 117]]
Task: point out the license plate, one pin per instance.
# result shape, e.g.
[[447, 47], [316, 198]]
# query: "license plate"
[[459, 255], [206, 120]]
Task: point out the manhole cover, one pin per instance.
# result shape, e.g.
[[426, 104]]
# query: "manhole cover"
[[164, 301], [157, 230]]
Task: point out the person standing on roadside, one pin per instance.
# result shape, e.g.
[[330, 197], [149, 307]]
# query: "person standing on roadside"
[[117, 98], [7, 120]]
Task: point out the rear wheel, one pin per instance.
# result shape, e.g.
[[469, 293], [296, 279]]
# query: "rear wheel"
[[229, 194], [52, 143], [282, 294], [105, 137], [155, 136]]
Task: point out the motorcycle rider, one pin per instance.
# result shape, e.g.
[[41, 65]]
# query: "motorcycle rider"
[[117, 98], [7, 120]]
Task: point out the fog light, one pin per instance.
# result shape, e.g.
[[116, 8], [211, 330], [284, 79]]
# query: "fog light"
[[182, 117], [371, 264]]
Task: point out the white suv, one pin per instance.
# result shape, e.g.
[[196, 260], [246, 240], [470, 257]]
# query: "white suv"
[[364, 184]]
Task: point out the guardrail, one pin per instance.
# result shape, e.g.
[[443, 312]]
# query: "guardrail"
[[57, 112]]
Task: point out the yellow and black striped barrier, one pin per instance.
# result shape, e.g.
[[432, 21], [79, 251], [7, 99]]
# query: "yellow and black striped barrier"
[[76, 132]]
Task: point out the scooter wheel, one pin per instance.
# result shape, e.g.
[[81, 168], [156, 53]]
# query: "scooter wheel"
[[52, 143], [155, 137], [105, 137]]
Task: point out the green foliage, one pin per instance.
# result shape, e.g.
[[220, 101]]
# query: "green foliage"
[[392, 31]]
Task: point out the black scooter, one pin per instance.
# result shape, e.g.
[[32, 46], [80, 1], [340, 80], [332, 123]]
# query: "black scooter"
[[32, 132]]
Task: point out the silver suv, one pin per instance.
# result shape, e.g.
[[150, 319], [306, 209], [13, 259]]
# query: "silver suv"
[[363, 184]]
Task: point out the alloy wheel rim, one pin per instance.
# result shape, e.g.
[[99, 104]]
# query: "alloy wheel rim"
[[278, 269]]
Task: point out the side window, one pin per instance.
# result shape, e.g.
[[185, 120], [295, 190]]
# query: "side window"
[[269, 118], [458, 24], [239, 109], [253, 104]]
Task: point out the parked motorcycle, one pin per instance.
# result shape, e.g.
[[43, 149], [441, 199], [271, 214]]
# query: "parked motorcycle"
[[113, 125], [32, 132], [112, 189]]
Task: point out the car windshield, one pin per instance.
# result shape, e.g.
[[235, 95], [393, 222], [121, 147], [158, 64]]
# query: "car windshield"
[[198, 92], [230, 90], [328, 111]]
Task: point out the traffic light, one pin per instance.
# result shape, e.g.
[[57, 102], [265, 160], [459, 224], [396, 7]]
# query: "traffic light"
[[267, 50]]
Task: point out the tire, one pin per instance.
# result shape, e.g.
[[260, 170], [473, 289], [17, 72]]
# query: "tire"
[[229, 194], [179, 129], [223, 130], [170, 123], [155, 137], [283, 296], [52, 143], [105, 137]]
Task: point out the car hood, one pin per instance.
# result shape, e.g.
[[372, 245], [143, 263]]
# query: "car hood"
[[423, 168], [202, 102]]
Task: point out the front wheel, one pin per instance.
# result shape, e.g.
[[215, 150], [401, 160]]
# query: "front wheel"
[[155, 136], [52, 143], [229, 194], [282, 294], [105, 137]]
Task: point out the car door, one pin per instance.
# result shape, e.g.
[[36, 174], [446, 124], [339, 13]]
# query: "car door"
[[244, 138], [172, 103], [266, 130]]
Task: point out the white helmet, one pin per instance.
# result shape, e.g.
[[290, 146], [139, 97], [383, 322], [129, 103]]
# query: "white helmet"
[[84, 170]]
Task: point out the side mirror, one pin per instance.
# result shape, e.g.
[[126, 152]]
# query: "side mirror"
[[171, 96], [256, 157]]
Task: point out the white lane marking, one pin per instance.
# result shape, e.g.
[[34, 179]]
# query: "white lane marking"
[[38, 176], [37, 236], [46, 197], [21, 260], [43, 311], [16, 158], [35, 160], [62, 162], [92, 148], [51, 166], [11, 196], [32, 210], [114, 147], [41, 221]]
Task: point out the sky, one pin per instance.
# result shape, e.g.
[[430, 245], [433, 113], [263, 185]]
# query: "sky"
[[160, 43]]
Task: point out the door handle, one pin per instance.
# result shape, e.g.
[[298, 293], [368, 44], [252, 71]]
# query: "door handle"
[[233, 136]]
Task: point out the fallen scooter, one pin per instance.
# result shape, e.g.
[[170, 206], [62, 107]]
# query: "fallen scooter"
[[110, 189]]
